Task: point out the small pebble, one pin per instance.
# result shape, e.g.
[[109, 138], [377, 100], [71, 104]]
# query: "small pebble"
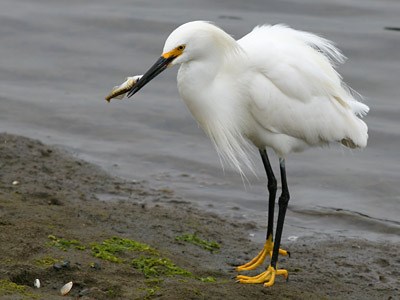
[[62, 265], [95, 266], [15, 182], [65, 264]]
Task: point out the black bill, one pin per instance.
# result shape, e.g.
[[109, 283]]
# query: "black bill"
[[160, 65]]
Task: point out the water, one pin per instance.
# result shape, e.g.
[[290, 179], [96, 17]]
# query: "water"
[[59, 59]]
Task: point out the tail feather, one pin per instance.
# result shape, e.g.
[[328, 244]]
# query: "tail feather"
[[359, 108]]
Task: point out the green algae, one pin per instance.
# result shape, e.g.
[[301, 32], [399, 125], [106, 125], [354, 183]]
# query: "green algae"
[[46, 261], [8, 287], [196, 240], [157, 266], [64, 244], [108, 249]]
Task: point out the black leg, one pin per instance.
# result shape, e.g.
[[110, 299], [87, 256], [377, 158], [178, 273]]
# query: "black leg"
[[283, 203], [268, 277], [272, 187]]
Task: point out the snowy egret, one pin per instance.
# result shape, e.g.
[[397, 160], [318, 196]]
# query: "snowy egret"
[[274, 88]]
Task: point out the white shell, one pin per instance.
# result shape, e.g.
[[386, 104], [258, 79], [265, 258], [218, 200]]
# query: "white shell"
[[66, 288], [36, 283], [15, 182]]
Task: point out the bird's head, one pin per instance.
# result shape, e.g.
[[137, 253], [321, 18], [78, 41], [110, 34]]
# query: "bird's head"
[[190, 41]]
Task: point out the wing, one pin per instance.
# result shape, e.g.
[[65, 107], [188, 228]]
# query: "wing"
[[299, 63], [296, 90]]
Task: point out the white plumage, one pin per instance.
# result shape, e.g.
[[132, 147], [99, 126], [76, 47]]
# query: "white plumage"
[[274, 88]]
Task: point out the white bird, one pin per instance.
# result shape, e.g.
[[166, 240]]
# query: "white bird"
[[274, 88]]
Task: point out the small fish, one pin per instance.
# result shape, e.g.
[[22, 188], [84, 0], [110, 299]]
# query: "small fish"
[[66, 288], [119, 91]]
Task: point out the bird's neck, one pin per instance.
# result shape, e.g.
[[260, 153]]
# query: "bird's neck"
[[207, 90], [205, 84], [196, 84], [195, 76], [199, 71]]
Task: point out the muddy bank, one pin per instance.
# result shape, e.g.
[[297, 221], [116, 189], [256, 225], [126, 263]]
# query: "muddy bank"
[[62, 219]]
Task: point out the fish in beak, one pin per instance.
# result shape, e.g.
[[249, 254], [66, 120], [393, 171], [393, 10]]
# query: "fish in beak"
[[119, 91]]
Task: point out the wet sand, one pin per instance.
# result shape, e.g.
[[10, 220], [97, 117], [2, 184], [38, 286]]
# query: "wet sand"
[[60, 58], [59, 195]]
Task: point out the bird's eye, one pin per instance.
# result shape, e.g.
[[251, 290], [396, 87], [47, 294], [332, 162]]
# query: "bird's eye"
[[181, 47]]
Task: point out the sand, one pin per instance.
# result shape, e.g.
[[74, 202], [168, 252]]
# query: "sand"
[[47, 194]]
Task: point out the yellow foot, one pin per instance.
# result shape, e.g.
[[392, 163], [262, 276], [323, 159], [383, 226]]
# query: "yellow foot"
[[259, 259], [267, 277]]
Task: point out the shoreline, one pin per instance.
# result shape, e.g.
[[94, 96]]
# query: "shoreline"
[[57, 195]]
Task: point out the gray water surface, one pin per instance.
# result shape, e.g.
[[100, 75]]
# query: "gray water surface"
[[60, 58]]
